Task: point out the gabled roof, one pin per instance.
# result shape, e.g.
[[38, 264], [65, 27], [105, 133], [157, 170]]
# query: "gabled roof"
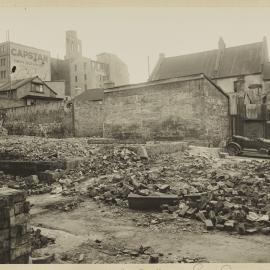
[[19, 83], [15, 84], [184, 65], [241, 60], [227, 62]]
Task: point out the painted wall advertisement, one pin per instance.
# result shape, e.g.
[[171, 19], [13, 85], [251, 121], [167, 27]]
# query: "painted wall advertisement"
[[30, 62]]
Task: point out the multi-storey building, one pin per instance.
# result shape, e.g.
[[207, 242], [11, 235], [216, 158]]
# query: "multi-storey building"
[[118, 70], [81, 73], [24, 61]]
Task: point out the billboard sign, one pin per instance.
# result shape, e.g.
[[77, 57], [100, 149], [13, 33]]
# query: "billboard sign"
[[29, 62]]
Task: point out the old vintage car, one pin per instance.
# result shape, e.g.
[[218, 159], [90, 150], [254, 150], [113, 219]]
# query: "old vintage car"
[[237, 144]]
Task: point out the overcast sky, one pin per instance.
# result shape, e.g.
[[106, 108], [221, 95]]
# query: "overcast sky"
[[135, 33]]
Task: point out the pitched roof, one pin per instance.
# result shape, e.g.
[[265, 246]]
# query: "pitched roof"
[[241, 60], [18, 83], [234, 61], [183, 65], [15, 84]]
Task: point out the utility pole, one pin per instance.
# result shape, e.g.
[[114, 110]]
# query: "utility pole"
[[148, 64], [9, 59]]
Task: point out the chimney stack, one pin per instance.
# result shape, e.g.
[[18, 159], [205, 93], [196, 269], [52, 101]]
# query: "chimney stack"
[[221, 44], [161, 55]]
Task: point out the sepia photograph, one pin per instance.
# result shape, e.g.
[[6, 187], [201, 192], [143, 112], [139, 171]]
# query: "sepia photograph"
[[134, 135]]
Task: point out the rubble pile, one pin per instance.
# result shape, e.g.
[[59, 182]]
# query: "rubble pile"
[[36, 148], [38, 240], [227, 196], [31, 184]]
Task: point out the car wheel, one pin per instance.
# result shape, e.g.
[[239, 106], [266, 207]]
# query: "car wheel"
[[233, 150]]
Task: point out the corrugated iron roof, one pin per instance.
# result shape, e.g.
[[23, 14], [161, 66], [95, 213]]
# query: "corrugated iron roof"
[[238, 60]]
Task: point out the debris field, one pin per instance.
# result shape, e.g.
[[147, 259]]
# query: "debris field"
[[223, 193]]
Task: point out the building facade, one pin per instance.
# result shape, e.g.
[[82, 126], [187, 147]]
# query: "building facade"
[[26, 92], [28, 62], [191, 108], [241, 71], [81, 73], [118, 70]]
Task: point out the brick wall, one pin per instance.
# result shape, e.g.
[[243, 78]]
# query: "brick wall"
[[167, 111], [15, 245], [53, 119], [88, 117]]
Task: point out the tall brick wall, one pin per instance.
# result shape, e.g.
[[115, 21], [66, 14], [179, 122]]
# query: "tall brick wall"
[[54, 119], [88, 116], [15, 245], [216, 110], [175, 110]]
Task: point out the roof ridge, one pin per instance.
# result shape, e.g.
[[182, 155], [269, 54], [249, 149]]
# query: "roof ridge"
[[253, 43], [191, 53]]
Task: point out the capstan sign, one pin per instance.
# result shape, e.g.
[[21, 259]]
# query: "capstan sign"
[[26, 54], [29, 62]]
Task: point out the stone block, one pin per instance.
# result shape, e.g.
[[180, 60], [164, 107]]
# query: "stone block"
[[209, 224], [151, 202], [4, 257], [4, 234], [19, 251], [18, 230]]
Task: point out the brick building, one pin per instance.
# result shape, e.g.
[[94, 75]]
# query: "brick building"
[[192, 108], [241, 71], [29, 62], [81, 73], [118, 70]]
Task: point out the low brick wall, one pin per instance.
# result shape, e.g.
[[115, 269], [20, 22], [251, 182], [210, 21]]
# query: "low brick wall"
[[53, 120], [28, 167], [166, 148], [15, 245]]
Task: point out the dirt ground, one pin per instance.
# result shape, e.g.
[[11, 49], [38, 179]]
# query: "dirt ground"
[[98, 233]]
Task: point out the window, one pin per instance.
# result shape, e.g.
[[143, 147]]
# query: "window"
[[76, 79], [36, 87], [75, 67], [85, 77], [3, 62], [2, 49], [84, 65], [3, 74], [85, 87], [235, 84]]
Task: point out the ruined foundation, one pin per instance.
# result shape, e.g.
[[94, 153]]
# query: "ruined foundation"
[[15, 246]]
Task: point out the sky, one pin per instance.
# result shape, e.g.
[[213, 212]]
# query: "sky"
[[134, 34]]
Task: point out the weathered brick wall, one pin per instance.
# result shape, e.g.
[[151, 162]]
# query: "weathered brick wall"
[[53, 120], [175, 110], [88, 118], [215, 111], [15, 245], [11, 103]]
